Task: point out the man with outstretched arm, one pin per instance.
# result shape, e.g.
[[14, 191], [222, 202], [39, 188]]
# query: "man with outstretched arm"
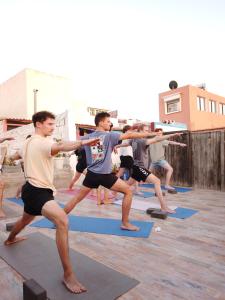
[[140, 170], [100, 166], [157, 153], [38, 191]]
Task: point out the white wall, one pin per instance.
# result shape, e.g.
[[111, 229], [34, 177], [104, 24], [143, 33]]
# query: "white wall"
[[13, 97]]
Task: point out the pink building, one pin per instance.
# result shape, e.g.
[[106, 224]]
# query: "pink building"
[[194, 106]]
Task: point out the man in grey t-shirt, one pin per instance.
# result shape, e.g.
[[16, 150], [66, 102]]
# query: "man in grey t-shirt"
[[140, 170], [157, 153], [100, 164]]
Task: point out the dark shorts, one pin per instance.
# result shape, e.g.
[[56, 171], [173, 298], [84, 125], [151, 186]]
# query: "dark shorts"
[[94, 180], [126, 162], [34, 198], [139, 173], [81, 166]]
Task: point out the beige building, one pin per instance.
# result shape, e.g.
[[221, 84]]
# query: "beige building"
[[18, 94], [31, 90], [194, 106]]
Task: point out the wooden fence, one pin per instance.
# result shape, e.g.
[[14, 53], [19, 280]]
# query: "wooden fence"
[[202, 163]]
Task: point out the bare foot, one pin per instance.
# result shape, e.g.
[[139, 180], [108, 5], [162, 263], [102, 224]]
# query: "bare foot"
[[167, 209], [16, 240], [169, 187], [2, 214], [73, 285], [129, 227]]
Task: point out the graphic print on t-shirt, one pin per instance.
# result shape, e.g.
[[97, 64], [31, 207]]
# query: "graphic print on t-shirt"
[[97, 151]]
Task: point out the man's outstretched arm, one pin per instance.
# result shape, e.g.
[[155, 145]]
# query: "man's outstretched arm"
[[161, 138], [136, 135], [70, 146], [178, 144]]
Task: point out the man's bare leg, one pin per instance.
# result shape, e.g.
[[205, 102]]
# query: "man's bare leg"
[[18, 227], [169, 172], [2, 185], [18, 192], [99, 195], [134, 184], [56, 214], [74, 180], [84, 191], [106, 199], [122, 187], [156, 181], [120, 172]]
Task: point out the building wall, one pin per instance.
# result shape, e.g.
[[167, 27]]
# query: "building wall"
[[13, 97], [17, 96], [205, 119], [54, 92], [190, 114], [182, 116]]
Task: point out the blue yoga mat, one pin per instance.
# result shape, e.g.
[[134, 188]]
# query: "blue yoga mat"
[[183, 213], [100, 225], [18, 201], [178, 189]]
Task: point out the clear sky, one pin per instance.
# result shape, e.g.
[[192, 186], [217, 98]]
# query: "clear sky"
[[120, 54]]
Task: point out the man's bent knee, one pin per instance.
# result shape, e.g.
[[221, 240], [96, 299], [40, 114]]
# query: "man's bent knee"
[[128, 192], [62, 222]]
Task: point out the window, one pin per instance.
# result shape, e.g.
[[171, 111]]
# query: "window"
[[222, 109], [172, 103], [201, 103], [173, 106], [212, 106]]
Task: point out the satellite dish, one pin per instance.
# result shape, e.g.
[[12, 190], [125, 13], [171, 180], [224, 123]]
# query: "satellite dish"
[[173, 85]]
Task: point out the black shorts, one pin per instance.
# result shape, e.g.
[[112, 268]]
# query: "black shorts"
[[126, 162], [94, 180], [139, 173], [34, 198], [81, 165]]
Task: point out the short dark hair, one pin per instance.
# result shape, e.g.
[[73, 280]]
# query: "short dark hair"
[[126, 128], [42, 116], [141, 127], [101, 116], [158, 129]]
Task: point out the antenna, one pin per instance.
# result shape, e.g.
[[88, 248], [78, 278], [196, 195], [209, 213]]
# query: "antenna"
[[202, 86]]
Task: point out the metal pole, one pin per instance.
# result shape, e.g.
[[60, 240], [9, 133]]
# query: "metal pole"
[[35, 100]]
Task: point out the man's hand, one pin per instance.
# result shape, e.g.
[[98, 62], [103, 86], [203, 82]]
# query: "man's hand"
[[183, 145], [90, 142]]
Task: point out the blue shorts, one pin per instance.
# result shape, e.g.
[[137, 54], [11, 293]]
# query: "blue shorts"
[[157, 164]]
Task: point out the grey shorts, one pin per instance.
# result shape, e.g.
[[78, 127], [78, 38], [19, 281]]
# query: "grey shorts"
[[158, 164]]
